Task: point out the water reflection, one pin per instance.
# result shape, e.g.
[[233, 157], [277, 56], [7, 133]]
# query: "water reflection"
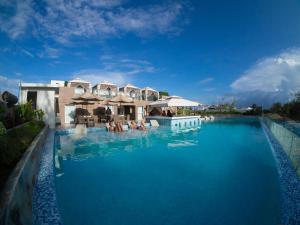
[[77, 147]]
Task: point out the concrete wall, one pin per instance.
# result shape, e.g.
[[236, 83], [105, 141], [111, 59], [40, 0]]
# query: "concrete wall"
[[65, 97], [45, 102], [16, 199]]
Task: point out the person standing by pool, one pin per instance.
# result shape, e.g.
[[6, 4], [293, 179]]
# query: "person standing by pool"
[[108, 114], [164, 113], [169, 114]]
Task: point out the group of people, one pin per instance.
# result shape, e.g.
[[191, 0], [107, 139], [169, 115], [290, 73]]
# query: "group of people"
[[169, 114], [115, 127], [133, 125], [118, 126]]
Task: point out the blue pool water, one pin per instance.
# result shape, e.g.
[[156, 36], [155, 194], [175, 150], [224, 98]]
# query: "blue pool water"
[[221, 174]]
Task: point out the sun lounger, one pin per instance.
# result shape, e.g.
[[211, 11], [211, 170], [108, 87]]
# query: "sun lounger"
[[125, 127], [154, 123]]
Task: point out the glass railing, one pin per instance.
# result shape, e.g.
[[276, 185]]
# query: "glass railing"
[[288, 138]]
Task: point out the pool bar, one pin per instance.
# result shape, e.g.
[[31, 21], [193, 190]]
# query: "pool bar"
[[177, 122]]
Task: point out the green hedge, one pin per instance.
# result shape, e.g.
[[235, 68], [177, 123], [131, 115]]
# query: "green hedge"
[[13, 144]]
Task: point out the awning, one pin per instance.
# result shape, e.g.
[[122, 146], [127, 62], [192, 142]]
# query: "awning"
[[174, 101]]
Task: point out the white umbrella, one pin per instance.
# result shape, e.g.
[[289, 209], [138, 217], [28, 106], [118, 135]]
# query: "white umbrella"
[[174, 101]]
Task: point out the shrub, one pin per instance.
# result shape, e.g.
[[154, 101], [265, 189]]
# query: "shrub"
[[256, 111], [25, 111], [2, 129], [2, 110], [290, 109], [163, 93], [13, 144], [39, 114]]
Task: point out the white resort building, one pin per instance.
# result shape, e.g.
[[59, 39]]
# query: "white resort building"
[[60, 100]]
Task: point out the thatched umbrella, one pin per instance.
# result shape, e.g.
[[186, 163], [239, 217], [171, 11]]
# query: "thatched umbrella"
[[82, 103], [86, 99], [119, 100]]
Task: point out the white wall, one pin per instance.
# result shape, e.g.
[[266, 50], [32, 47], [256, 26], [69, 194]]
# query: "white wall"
[[45, 102], [59, 83]]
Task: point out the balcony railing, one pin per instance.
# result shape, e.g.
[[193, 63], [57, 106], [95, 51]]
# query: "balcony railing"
[[135, 96], [152, 98]]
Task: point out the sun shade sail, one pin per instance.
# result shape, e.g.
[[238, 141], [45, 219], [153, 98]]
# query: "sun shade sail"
[[174, 102]]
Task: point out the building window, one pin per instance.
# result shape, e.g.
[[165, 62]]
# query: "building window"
[[79, 90], [152, 97], [132, 94], [32, 96], [56, 106], [108, 92]]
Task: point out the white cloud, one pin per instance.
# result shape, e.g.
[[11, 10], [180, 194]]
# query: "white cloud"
[[208, 89], [67, 20], [17, 22], [128, 66], [49, 52], [206, 80], [95, 76], [116, 70], [9, 84], [105, 3], [26, 52], [271, 79], [144, 21]]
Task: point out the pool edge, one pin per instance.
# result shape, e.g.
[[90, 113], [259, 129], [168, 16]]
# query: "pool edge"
[[45, 208], [288, 179]]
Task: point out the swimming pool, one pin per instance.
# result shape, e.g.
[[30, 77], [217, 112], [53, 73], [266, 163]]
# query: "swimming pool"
[[223, 173]]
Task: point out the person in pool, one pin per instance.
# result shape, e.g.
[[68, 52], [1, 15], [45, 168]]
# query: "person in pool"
[[133, 125], [111, 127], [142, 126], [119, 127]]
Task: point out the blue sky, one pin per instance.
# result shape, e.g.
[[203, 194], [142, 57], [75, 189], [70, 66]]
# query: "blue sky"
[[209, 51]]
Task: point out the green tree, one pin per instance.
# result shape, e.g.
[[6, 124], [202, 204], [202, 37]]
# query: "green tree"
[[276, 108], [25, 112], [39, 114], [163, 93], [297, 96]]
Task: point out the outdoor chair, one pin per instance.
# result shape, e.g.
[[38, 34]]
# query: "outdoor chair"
[[81, 120], [90, 122], [154, 123]]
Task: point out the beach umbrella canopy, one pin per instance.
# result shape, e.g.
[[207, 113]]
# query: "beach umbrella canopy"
[[82, 103], [174, 101], [120, 100]]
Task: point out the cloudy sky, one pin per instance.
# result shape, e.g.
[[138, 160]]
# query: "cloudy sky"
[[202, 49]]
